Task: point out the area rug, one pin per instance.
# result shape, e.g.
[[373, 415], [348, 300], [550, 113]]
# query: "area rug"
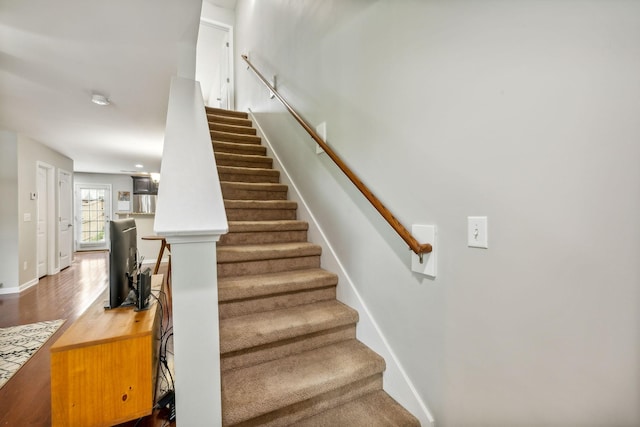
[[19, 343]]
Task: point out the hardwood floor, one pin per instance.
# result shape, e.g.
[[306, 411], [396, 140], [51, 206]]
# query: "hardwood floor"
[[25, 400]]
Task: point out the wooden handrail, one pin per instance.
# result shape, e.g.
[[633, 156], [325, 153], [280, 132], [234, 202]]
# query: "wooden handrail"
[[414, 245]]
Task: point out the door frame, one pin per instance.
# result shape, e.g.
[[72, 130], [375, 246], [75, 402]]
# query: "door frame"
[[229, 30], [77, 217], [60, 172], [52, 265]]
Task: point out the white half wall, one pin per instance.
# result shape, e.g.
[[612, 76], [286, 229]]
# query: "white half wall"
[[191, 216], [524, 112]]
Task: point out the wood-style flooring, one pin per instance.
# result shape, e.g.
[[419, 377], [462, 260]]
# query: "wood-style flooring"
[[25, 400]]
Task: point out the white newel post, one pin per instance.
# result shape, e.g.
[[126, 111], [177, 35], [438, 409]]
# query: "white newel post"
[[191, 216], [195, 330]]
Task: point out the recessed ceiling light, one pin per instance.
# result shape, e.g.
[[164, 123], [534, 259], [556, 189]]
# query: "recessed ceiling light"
[[139, 166], [98, 99]]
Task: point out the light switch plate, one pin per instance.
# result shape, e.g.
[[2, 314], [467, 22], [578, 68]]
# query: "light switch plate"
[[477, 232], [321, 130], [425, 234]]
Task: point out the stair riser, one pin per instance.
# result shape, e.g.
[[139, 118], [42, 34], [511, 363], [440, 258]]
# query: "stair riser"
[[373, 409], [245, 149], [240, 140], [236, 121], [256, 238], [231, 128], [262, 287], [260, 214], [236, 177], [235, 308], [235, 194], [285, 348], [264, 163], [267, 266], [291, 414], [232, 137]]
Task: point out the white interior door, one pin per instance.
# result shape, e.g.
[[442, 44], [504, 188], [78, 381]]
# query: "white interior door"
[[42, 224], [65, 222], [93, 212], [214, 63]]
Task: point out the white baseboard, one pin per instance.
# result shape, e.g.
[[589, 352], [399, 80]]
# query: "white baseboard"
[[396, 381], [11, 290], [18, 289]]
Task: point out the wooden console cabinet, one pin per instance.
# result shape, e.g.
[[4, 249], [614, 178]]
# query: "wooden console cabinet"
[[104, 367]]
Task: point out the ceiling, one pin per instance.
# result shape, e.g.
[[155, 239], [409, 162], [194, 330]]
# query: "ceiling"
[[55, 54]]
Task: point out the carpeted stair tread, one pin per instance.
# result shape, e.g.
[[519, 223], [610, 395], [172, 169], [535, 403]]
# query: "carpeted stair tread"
[[262, 232], [253, 191], [376, 409], [231, 128], [258, 226], [253, 286], [236, 121], [236, 170], [234, 137], [241, 253], [227, 113], [258, 329], [260, 204], [258, 186], [243, 160], [271, 386], [237, 148], [259, 210]]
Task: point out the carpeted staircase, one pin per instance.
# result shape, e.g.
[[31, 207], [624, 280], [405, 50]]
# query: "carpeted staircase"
[[289, 354]]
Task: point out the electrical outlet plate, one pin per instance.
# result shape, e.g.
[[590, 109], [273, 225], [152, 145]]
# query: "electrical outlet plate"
[[425, 234], [477, 232], [321, 130]]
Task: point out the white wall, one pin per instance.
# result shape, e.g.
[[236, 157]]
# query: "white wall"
[[523, 111], [8, 210], [31, 152], [216, 13]]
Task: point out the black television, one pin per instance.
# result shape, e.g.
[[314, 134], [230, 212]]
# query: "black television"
[[123, 262]]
